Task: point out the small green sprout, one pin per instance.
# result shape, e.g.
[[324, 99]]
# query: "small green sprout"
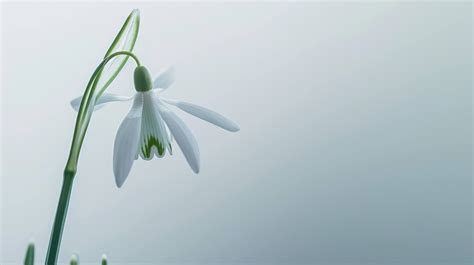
[[30, 254], [74, 259]]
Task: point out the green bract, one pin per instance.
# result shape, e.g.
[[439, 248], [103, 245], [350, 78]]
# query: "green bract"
[[124, 41]]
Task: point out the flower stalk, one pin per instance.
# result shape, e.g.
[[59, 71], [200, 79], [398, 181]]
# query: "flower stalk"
[[85, 113], [82, 122], [127, 35]]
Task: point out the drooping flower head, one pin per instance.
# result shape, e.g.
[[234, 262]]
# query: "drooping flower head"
[[150, 126]]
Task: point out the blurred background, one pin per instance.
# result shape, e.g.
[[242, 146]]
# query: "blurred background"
[[355, 144]]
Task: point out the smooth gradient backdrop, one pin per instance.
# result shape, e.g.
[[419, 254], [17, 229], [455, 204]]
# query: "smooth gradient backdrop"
[[355, 142]]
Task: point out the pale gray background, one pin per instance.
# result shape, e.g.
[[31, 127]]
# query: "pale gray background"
[[355, 143]]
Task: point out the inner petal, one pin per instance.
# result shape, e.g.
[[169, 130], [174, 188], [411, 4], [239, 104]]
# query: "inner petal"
[[154, 138], [152, 146]]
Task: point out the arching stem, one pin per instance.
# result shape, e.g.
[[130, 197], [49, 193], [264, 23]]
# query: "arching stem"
[[82, 122]]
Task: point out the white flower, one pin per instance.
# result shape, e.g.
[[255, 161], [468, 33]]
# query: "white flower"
[[150, 126]]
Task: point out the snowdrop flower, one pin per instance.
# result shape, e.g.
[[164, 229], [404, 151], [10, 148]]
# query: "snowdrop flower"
[[149, 127]]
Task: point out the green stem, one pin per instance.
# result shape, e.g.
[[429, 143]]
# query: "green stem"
[[53, 250], [82, 122]]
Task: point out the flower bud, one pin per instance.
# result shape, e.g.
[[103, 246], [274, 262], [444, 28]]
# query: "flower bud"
[[74, 259]]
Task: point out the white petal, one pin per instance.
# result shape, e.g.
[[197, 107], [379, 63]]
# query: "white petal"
[[105, 98], [205, 114], [154, 137], [126, 141], [183, 135], [164, 79]]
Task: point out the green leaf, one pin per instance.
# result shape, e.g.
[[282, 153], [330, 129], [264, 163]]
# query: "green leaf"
[[30, 254], [124, 41], [104, 259]]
